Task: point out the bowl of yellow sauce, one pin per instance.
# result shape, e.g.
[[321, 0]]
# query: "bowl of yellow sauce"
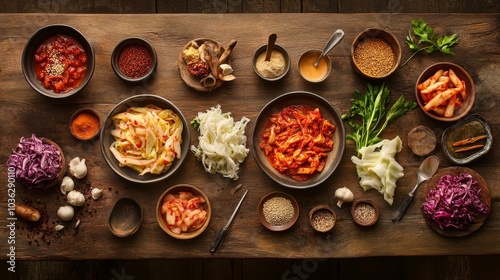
[[311, 73]]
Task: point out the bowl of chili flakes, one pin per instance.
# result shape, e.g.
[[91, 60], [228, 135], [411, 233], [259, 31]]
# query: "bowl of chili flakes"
[[298, 139], [58, 61], [134, 60]]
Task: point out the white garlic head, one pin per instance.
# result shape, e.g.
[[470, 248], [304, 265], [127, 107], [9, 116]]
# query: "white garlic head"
[[78, 168], [67, 184], [76, 198], [343, 195], [65, 213]]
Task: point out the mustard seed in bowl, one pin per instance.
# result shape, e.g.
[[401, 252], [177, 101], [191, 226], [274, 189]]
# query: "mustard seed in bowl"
[[278, 211], [374, 56]]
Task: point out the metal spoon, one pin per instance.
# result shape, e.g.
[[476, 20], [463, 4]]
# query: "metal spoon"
[[427, 168], [334, 40], [270, 46]]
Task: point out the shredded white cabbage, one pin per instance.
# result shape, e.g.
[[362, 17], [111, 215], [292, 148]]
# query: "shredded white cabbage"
[[222, 142], [378, 168]]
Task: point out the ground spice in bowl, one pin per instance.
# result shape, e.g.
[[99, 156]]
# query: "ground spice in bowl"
[[278, 211], [85, 124], [135, 61]]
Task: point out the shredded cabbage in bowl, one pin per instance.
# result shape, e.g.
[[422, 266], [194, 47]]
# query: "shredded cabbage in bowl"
[[148, 139], [222, 142], [455, 202]]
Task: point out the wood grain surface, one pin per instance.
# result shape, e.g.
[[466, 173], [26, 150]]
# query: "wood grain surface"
[[26, 112]]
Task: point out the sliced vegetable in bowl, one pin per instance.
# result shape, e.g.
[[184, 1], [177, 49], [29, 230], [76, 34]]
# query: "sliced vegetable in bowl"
[[37, 162]]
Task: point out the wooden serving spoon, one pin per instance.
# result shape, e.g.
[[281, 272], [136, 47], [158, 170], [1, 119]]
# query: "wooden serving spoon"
[[270, 46]]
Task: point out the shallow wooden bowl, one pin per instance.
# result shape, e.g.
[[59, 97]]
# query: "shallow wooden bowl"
[[192, 81], [463, 75], [371, 203], [286, 226]]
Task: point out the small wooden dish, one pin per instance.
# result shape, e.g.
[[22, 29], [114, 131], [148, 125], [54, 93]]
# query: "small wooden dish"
[[283, 227], [125, 217], [64, 166], [463, 75], [174, 190], [91, 112], [371, 206], [327, 212], [485, 198], [193, 81]]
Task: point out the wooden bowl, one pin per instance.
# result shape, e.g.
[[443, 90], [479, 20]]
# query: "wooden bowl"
[[315, 215], [88, 111], [193, 81], [115, 58], [386, 36], [463, 75], [125, 217], [360, 218], [174, 190], [280, 227], [485, 198]]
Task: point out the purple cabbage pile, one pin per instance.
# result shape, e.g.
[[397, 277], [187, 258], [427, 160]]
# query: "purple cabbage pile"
[[35, 162], [455, 202]]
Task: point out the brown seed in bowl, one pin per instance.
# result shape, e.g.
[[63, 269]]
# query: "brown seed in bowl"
[[374, 56]]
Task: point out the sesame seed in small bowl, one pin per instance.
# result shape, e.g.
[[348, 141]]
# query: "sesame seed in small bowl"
[[365, 212], [278, 211], [322, 218]]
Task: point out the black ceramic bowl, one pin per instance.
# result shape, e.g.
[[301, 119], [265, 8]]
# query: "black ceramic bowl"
[[115, 59], [327, 111], [106, 139], [39, 37]]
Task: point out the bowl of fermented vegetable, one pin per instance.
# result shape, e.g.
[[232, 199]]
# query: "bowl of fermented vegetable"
[[312, 131], [145, 138], [445, 91]]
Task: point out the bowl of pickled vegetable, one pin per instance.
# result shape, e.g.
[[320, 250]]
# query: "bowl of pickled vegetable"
[[145, 138], [298, 139], [58, 61]]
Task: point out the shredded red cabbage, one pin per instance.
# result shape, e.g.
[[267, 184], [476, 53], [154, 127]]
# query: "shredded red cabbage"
[[35, 162], [455, 202]]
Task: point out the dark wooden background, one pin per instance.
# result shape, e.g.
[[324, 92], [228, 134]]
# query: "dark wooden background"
[[435, 267]]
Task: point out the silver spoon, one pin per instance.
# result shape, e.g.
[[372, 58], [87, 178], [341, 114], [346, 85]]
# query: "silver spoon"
[[334, 40], [427, 168]]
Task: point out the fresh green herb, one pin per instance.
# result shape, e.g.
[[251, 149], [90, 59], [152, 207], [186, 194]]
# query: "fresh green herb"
[[425, 36], [371, 107], [195, 123]]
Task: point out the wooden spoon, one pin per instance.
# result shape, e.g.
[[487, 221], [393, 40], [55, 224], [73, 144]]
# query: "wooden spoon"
[[270, 46]]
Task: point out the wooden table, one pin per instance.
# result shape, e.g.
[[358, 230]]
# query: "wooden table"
[[25, 112]]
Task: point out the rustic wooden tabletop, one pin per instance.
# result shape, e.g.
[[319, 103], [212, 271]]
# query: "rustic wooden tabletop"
[[247, 237]]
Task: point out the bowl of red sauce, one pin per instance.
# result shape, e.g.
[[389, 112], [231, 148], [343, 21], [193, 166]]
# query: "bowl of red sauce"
[[134, 60], [58, 61]]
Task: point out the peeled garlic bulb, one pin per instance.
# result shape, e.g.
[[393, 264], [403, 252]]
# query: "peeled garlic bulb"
[[67, 184], [96, 193], [78, 168], [65, 213], [343, 195], [76, 198]]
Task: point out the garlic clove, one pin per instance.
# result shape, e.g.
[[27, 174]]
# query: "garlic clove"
[[76, 198], [67, 184], [96, 193], [77, 223], [226, 69], [65, 213], [58, 227], [78, 168]]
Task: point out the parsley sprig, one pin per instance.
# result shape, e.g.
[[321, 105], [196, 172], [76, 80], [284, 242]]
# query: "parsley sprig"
[[424, 40]]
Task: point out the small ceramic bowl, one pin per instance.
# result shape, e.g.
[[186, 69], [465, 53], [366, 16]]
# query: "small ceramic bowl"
[[365, 212], [140, 75], [174, 191], [39, 38], [309, 72], [88, 129], [125, 217], [391, 40], [322, 218], [463, 75], [261, 51], [285, 217]]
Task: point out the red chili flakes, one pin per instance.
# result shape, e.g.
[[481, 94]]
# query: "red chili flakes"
[[135, 61]]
